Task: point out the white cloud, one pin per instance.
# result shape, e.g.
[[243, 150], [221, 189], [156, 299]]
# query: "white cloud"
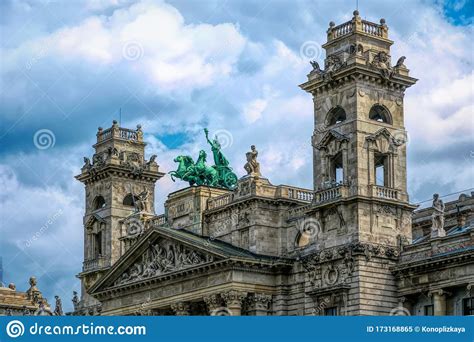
[[149, 39]]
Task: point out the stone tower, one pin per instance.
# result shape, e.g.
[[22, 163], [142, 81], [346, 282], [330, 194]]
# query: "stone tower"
[[359, 150], [119, 182]]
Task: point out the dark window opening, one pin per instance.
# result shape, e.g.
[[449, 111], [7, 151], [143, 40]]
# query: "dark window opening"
[[429, 310], [468, 306], [380, 114], [332, 311], [336, 115], [98, 244], [99, 202], [381, 170], [129, 200], [337, 171]]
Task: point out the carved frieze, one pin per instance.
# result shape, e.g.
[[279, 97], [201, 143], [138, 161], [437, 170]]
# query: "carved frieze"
[[163, 256]]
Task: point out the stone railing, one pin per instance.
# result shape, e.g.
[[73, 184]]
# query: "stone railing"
[[357, 25], [383, 192], [342, 30], [159, 220], [219, 201], [120, 133], [372, 28], [128, 134], [300, 194], [93, 264], [327, 195]]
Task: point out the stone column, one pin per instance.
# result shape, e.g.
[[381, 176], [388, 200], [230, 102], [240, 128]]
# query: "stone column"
[[260, 303], [439, 302], [233, 300], [213, 303], [180, 308], [345, 165]]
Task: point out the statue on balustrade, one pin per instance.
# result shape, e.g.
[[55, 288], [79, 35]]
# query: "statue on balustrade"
[[252, 166], [437, 218]]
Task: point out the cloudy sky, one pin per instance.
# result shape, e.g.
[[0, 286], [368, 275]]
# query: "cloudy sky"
[[178, 66]]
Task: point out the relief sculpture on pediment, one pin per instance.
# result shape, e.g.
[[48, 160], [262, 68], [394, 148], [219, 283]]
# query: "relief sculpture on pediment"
[[163, 257]]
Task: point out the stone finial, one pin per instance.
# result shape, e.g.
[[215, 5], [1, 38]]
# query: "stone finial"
[[355, 13], [12, 286], [332, 24], [139, 127]]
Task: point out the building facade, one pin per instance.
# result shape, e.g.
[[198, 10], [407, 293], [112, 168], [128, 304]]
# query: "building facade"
[[351, 245]]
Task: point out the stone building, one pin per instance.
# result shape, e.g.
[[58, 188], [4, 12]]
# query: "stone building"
[[351, 245], [17, 303]]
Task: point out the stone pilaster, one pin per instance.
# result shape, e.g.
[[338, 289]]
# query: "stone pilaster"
[[233, 300], [439, 302], [180, 308]]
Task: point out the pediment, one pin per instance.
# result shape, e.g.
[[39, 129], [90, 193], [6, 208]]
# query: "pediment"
[[384, 141], [155, 255], [93, 218], [331, 136]]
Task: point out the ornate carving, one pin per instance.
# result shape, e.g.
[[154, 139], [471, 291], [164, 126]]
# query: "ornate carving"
[[260, 301], [212, 301], [233, 297], [381, 61], [163, 257], [180, 308]]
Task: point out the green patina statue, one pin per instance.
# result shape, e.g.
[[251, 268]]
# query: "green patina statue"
[[219, 175]]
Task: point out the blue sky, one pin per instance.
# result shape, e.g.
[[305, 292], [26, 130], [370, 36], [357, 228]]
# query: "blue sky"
[[178, 66]]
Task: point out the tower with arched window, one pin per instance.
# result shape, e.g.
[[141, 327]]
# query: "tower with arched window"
[[359, 149], [359, 141], [117, 176]]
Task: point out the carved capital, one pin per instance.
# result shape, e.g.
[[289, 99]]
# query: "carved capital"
[[180, 308], [234, 298], [212, 301], [260, 301]]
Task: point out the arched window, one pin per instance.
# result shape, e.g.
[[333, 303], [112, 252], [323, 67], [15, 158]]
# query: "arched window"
[[380, 113], [129, 200], [335, 116], [99, 202]]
